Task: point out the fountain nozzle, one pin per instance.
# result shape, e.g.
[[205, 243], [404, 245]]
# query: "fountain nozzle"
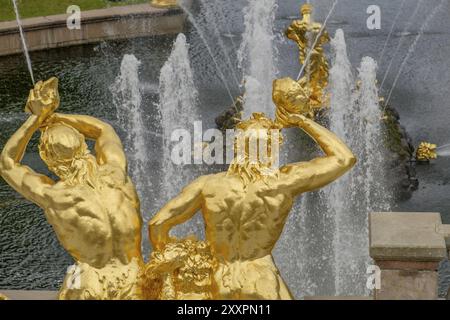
[[426, 151]]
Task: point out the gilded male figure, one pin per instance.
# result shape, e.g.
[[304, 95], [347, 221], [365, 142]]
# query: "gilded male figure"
[[306, 33], [245, 208], [93, 206]]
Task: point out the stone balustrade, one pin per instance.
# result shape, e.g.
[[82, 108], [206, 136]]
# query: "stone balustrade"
[[408, 248], [113, 23]]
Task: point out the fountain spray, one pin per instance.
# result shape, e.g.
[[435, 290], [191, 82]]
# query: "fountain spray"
[[183, 4], [406, 30], [24, 42], [257, 56], [443, 151], [380, 58], [412, 48], [178, 101], [127, 99]]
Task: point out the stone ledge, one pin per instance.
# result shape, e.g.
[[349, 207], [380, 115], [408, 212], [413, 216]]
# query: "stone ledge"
[[407, 265], [339, 298], [96, 25], [444, 230], [406, 236], [407, 285], [30, 294], [88, 16]]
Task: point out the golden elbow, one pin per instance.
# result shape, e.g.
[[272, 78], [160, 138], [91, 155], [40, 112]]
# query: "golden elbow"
[[352, 160], [4, 166], [107, 128], [348, 162]]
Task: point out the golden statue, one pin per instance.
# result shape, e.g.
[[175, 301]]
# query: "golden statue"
[[426, 151], [164, 3], [305, 32], [3, 297], [93, 207], [245, 208]]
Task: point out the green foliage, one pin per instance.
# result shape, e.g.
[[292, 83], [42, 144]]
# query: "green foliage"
[[36, 8]]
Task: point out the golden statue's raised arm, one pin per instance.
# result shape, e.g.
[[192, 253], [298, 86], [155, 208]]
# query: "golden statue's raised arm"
[[108, 147], [93, 206], [308, 176], [178, 210], [22, 178]]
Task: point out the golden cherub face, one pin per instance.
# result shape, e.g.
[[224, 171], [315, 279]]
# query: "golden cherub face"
[[44, 97]]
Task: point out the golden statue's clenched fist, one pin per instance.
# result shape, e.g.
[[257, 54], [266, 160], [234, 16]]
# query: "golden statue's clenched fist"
[[43, 99]]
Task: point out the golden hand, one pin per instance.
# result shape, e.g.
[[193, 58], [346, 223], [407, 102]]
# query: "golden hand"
[[290, 97], [43, 99]]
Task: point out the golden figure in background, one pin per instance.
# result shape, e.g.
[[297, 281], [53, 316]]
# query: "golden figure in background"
[[245, 208], [426, 151], [164, 3], [93, 208], [305, 32]]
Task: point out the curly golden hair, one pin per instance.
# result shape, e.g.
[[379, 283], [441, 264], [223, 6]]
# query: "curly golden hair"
[[65, 152]]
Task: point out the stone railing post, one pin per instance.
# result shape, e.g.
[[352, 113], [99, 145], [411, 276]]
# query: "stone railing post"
[[445, 231], [407, 247]]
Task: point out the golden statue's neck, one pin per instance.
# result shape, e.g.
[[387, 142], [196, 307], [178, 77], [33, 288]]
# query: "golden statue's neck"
[[250, 173]]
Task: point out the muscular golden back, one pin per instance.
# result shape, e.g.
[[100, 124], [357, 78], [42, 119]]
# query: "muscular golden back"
[[97, 223], [243, 223]]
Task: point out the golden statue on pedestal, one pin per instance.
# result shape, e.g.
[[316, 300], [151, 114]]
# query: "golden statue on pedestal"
[[93, 208], [310, 38]]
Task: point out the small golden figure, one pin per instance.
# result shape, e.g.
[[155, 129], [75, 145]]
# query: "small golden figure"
[[245, 208], [426, 151], [305, 32], [164, 3], [93, 208]]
